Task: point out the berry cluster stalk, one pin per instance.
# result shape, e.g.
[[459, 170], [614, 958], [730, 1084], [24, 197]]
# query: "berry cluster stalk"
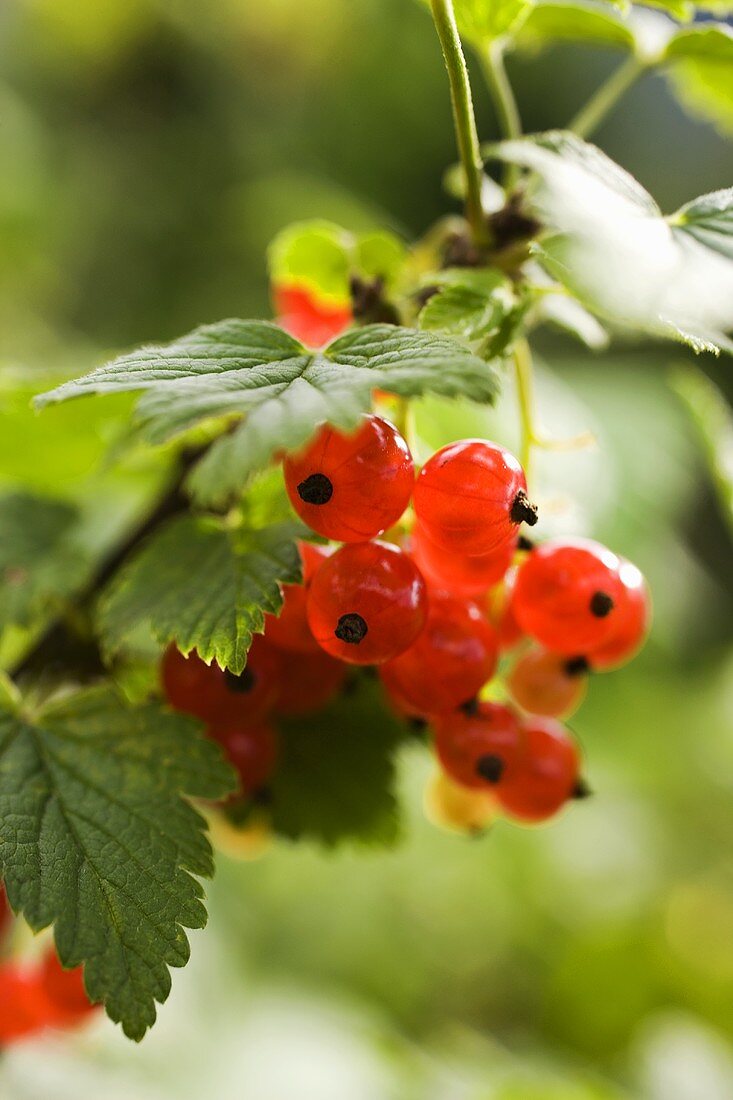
[[465, 122]]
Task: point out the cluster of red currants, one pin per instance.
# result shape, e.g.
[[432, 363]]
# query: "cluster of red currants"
[[38, 996], [434, 606]]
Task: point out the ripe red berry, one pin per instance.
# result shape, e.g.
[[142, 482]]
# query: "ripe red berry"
[[451, 660], [632, 623], [480, 748], [24, 1007], [65, 991], [310, 681], [252, 751], [471, 497], [289, 630], [208, 692], [307, 317], [567, 595], [462, 574], [367, 603], [548, 684], [351, 487], [547, 774]]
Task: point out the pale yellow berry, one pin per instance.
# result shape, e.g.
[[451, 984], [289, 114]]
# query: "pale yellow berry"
[[459, 809], [248, 842]]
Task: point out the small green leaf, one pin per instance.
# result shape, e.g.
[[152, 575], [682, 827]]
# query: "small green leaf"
[[314, 254], [39, 561], [607, 242], [98, 840], [575, 21], [254, 368], [479, 307], [482, 21], [700, 68], [203, 585], [323, 256], [713, 419], [709, 219], [336, 773]]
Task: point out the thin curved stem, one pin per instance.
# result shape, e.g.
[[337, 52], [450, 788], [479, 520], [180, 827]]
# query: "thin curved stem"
[[505, 103], [463, 115], [600, 105], [525, 397]]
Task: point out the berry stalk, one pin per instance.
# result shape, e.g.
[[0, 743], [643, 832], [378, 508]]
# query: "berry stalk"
[[463, 115]]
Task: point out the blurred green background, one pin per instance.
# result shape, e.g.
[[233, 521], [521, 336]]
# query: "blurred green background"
[[149, 150]]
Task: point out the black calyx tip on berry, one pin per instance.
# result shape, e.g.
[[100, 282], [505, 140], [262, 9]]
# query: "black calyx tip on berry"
[[581, 790], [577, 666], [523, 543], [315, 489], [470, 707], [417, 725], [490, 767], [242, 684], [523, 510], [351, 628], [601, 604], [262, 796]]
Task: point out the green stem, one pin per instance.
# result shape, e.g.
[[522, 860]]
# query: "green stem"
[[605, 99], [465, 122], [505, 104], [525, 397]]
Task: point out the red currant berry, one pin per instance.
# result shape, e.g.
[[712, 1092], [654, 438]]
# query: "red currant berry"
[[311, 680], [308, 318], [471, 497], [547, 775], [567, 595], [632, 625], [351, 487], [252, 751], [548, 684], [480, 748], [65, 991], [208, 692], [24, 1008], [462, 574], [367, 603], [450, 662], [289, 630]]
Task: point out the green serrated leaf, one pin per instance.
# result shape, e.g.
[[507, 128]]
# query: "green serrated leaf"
[[479, 307], [709, 220], [254, 367], [607, 242], [39, 561], [574, 21], [98, 840], [483, 21], [699, 64], [203, 585], [713, 419], [336, 773]]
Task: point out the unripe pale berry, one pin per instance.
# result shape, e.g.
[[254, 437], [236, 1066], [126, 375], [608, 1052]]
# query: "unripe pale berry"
[[480, 748], [451, 660], [545, 777], [458, 808], [471, 497], [548, 684], [351, 487], [367, 603], [567, 595]]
